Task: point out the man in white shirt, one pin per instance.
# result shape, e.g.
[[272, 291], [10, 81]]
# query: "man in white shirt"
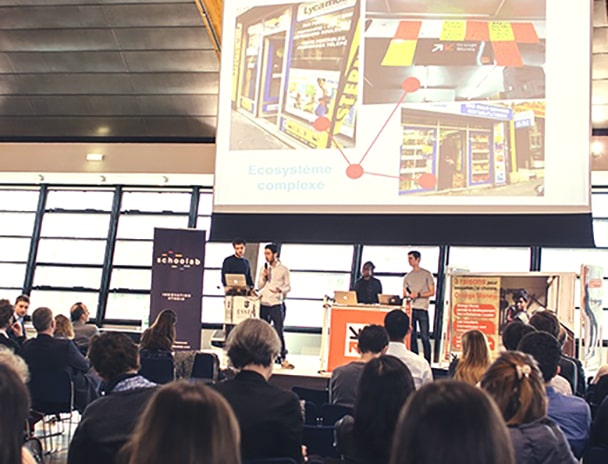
[[397, 324], [274, 286]]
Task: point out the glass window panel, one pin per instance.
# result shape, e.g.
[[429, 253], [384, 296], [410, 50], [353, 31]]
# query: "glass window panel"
[[204, 223], [212, 282], [205, 204], [10, 294], [128, 306], [13, 275], [67, 277], [216, 252], [75, 225], [302, 313], [128, 253], [499, 259], [61, 302], [394, 259], [134, 279], [15, 249], [391, 285], [570, 260], [142, 226], [67, 251], [19, 200], [317, 284], [17, 224], [317, 257], [156, 201], [213, 310], [600, 232], [599, 204], [80, 199]]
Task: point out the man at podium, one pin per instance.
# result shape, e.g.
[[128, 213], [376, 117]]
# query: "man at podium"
[[368, 287], [237, 264]]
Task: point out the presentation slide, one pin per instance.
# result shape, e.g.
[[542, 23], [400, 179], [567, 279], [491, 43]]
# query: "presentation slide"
[[404, 106]]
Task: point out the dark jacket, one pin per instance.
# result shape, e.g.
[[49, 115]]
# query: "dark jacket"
[[347, 445], [106, 426], [13, 344], [270, 419], [540, 442]]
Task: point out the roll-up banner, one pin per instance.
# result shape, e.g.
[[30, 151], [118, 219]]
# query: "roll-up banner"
[[177, 281], [592, 297]]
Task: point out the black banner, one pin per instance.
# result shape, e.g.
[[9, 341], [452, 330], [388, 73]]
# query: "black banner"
[[177, 281]]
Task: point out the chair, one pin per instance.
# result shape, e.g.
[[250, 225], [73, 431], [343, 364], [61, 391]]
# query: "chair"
[[206, 366], [271, 461], [311, 412], [596, 455], [158, 370], [52, 393], [319, 440], [332, 413], [318, 397]]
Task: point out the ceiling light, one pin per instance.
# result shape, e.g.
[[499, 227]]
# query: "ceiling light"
[[95, 156]]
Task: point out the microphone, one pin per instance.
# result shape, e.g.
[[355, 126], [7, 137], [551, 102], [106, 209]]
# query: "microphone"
[[266, 265]]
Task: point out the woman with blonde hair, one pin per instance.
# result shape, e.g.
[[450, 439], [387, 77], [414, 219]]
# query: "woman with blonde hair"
[[186, 423], [516, 384], [63, 328], [475, 358]]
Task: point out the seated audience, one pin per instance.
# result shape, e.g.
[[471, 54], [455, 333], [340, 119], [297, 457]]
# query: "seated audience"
[[63, 328], [517, 386], [598, 388], [571, 413], [158, 339], [270, 418], [368, 287], [108, 422], [185, 423], [397, 324], [83, 332], [45, 352], [367, 436], [475, 358], [15, 341], [599, 429], [451, 422], [570, 369], [514, 332], [15, 405], [372, 342]]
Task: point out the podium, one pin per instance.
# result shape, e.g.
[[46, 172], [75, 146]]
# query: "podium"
[[237, 308]]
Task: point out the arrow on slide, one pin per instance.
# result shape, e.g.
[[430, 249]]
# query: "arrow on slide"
[[437, 48]]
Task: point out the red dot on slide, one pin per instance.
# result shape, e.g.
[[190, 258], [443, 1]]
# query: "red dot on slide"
[[321, 124], [427, 181], [354, 171], [410, 85]]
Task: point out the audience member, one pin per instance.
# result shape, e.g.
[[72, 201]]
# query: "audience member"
[[185, 423], [450, 421], [45, 353], [475, 358], [599, 429], [270, 419], [83, 332], [63, 328], [7, 327], [397, 324], [22, 303], [514, 332], [516, 384], [372, 342], [598, 388], [16, 363], [571, 413], [15, 405], [367, 436], [570, 369], [158, 339], [108, 422]]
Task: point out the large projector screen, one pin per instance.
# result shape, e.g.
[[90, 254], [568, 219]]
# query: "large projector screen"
[[404, 106]]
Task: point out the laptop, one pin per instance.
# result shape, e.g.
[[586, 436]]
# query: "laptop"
[[345, 298], [385, 299], [236, 280]]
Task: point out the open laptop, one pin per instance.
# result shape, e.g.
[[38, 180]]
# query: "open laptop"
[[236, 281], [385, 299], [345, 298]]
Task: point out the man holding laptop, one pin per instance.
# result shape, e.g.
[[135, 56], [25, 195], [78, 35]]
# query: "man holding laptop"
[[236, 264]]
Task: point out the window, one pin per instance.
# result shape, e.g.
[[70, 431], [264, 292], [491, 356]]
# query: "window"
[[499, 259], [394, 259]]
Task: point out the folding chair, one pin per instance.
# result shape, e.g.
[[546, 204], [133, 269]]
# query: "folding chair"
[[329, 414], [52, 393], [318, 397], [319, 440], [158, 370], [206, 366]]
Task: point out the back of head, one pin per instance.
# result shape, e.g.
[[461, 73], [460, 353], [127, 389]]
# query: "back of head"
[[546, 321], [397, 324], [475, 357], [76, 311], [113, 354], [545, 349], [450, 421], [15, 405], [6, 313], [185, 423], [384, 387], [514, 332], [373, 339], [161, 334], [517, 386], [63, 327], [16, 363], [42, 318], [253, 342]]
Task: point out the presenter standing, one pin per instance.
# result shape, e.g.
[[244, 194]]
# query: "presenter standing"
[[368, 287], [274, 285], [237, 263], [419, 286]]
